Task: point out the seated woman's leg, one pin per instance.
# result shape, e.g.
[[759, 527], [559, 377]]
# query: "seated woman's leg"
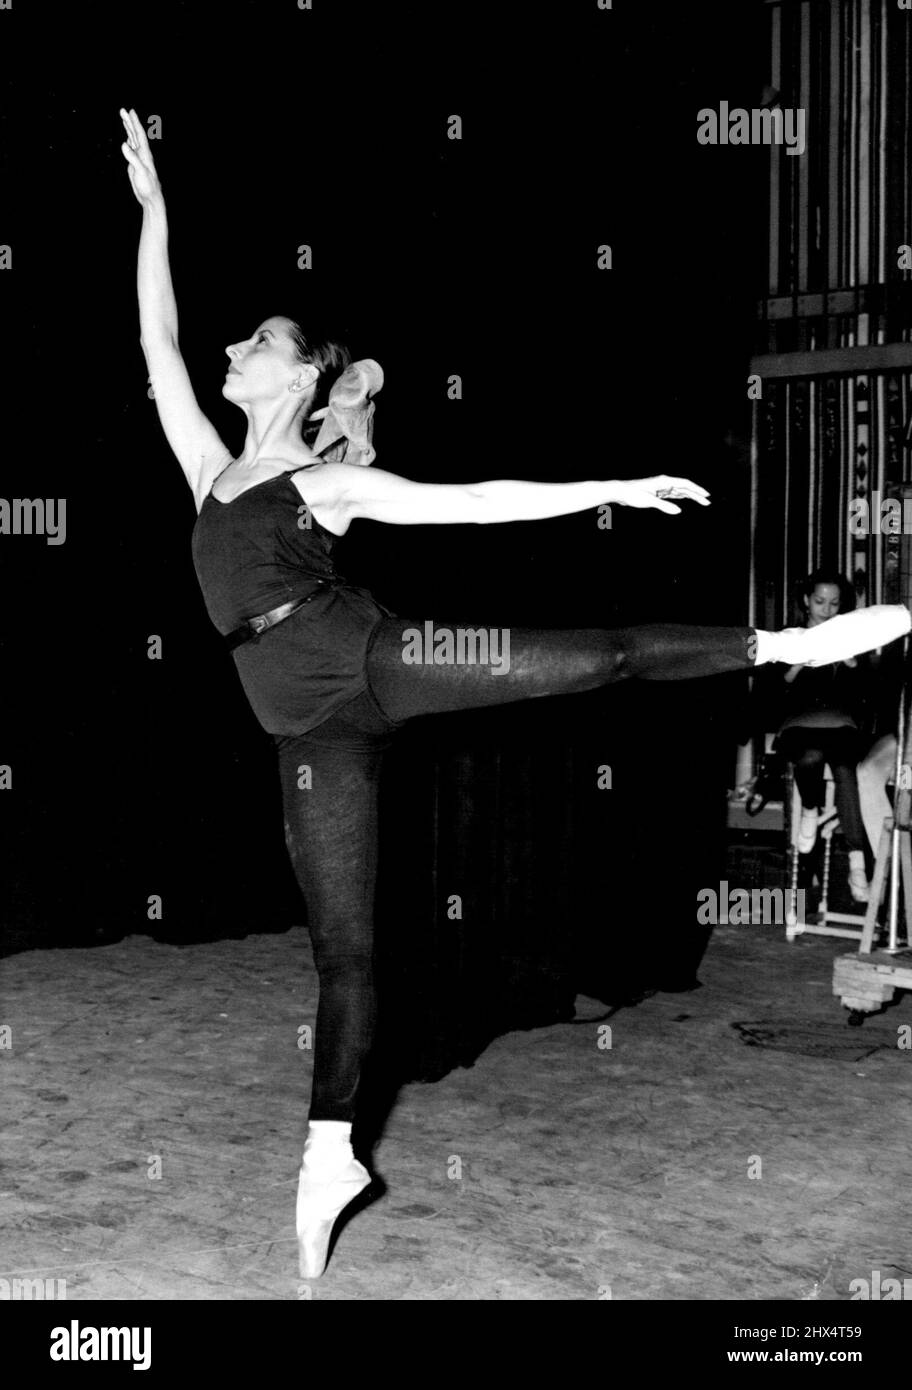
[[809, 776], [841, 749], [419, 668], [801, 747], [330, 803]]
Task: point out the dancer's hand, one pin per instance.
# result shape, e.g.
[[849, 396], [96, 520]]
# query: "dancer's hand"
[[135, 150], [652, 492]]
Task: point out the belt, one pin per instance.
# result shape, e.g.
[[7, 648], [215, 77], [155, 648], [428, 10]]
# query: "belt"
[[252, 628]]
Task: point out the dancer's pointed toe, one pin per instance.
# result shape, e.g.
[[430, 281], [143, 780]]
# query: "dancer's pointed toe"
[[842, 637], [322, 1198]]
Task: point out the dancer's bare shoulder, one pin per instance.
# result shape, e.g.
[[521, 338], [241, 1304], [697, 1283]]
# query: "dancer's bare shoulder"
[[328, 489], [323, 486]]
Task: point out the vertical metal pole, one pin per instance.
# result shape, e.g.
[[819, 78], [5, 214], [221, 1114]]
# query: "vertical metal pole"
[[893, 918], [751, 768], [899, 802]]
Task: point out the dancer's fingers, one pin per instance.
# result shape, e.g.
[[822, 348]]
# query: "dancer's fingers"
[[139, 134], [681, 487], [683, 482], [128, 129], [664, 485], [682, 492], [644, 494], [691, 496]]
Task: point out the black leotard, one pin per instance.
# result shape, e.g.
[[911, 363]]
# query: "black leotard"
[[261, 550]]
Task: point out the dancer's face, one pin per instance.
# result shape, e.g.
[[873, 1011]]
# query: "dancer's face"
[[822, 604], [265, 365]]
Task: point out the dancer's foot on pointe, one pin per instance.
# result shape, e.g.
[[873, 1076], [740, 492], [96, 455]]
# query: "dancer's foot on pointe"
[[330, 1179], [846, 635]]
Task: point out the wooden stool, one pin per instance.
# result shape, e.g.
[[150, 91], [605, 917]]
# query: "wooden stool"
[[851, 924], [868, 980]]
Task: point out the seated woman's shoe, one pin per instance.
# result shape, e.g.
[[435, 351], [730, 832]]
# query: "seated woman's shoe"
[[846, 635], [330, 1179], [858, 886], [858, 879], [807, 830]]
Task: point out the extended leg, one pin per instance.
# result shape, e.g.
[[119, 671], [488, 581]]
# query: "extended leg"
[[423, 668]]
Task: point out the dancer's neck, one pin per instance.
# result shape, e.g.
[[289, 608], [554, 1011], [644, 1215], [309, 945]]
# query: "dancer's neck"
[[272, 431]]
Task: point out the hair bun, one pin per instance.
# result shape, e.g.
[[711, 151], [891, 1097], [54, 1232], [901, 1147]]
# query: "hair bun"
[[347, 427]]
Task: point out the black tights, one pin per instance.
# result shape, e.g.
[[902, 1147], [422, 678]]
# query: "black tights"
[[330, 780]]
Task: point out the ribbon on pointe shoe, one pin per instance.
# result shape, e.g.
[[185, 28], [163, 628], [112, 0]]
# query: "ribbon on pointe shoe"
[[347, 424]]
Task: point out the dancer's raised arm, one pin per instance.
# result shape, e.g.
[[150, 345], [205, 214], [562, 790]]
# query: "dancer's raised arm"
[[197, 445], [381, 496]]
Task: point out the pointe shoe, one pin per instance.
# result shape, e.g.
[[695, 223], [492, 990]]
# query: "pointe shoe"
[[807, 831], [329, 1180], [320, 1204], [848, 634]]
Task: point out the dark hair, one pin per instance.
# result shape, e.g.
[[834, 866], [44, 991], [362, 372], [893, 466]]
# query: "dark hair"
[[327, 353], [847, 597]]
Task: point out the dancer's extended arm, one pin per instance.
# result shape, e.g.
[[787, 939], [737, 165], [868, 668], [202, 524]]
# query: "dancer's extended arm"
[[193, 438], [381, 496]]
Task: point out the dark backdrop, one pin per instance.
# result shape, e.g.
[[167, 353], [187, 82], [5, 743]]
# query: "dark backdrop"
[[475, 257]]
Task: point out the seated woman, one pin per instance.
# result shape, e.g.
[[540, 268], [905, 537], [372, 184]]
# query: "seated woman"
[[822, 711]]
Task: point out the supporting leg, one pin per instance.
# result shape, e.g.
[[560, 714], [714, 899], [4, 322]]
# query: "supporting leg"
[[330, 800], [330, 803]]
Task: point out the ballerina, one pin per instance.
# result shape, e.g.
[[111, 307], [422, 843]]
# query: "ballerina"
[[324, 666]]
